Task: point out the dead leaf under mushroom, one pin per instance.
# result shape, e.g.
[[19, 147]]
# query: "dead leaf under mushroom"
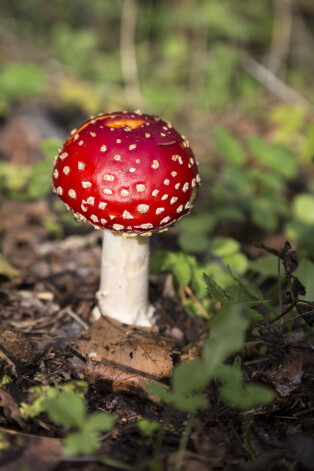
[[128, 357]]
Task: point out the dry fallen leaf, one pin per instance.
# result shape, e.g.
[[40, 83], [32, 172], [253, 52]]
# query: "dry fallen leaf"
[[128, 357], [20, 451]]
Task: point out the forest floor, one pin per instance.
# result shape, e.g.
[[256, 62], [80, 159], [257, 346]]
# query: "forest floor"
[[46, 309]]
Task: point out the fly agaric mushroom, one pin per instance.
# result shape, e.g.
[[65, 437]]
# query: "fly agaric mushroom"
[[129, 174]]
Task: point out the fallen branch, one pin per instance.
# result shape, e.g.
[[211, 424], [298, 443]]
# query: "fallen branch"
[[276, 86]]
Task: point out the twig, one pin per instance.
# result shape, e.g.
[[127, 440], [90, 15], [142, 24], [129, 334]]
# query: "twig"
[[281, 37], [128, 52], [276, 86], [190, 293], [76, 318]]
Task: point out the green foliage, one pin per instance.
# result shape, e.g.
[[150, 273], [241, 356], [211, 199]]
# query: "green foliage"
[[301, 225], [29, 182], [189, 380], [65, 406], [22, 80], [147, 428], [38, 395], [69, 409]]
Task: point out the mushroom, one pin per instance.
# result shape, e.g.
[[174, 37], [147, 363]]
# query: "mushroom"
[[130, 174]]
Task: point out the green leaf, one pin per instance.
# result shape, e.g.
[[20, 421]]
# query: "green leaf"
[[226, 336], [189, 377], [245, 397], [178, 263], [147, 428], [160, 391], [305, 272], [214, 290], [50, 146], [275, 156], [193, 242], [303, 208], [67, 409], [189, 404], [254, 314], [228, 146], [224, 246], [263, 215], [237, 262], [99, 422], [81, 443], [266, 266], [22, 80]]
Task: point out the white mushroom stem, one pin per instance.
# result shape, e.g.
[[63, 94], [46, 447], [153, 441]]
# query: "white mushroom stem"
[[123, 293]]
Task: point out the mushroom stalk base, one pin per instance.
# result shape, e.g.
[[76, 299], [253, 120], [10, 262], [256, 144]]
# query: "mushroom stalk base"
[[123, 293]]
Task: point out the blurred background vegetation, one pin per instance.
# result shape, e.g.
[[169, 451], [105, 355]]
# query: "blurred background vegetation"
[[235, 76]]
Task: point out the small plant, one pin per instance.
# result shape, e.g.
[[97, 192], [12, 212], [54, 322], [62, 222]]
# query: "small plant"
[[65, 405], [69, 410]]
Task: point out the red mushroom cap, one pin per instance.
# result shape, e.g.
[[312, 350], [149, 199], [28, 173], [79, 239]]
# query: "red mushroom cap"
[[126, 172]]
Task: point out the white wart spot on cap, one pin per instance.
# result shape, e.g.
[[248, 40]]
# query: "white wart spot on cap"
[[147, 135], [76, 136], [180, 208], [143, 208], [55, 173], [198, 178], [107, 191], [164, 197], [132, 169], [117, 157], [146, 226], [160, 210], [124, 192], [193, 182], [132, 146], [94, 218], [83, 208], [118, 141], [191, 160], [174, 174], [93, 134], [165, 220], [86, 184], [59, 190], [112, 216], [103, 148], [155, 192], [103, 221], [72, 194], [90, 200], [81, 143], [188, 205], [138, 161], [177, 186], [155, 164], [102, 205], [140, 187], [108, 178], [166, 182], [118, 227], [63, 155], [173, 200], [127, 129], [81, 165], [185, 187], [127, 215]]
